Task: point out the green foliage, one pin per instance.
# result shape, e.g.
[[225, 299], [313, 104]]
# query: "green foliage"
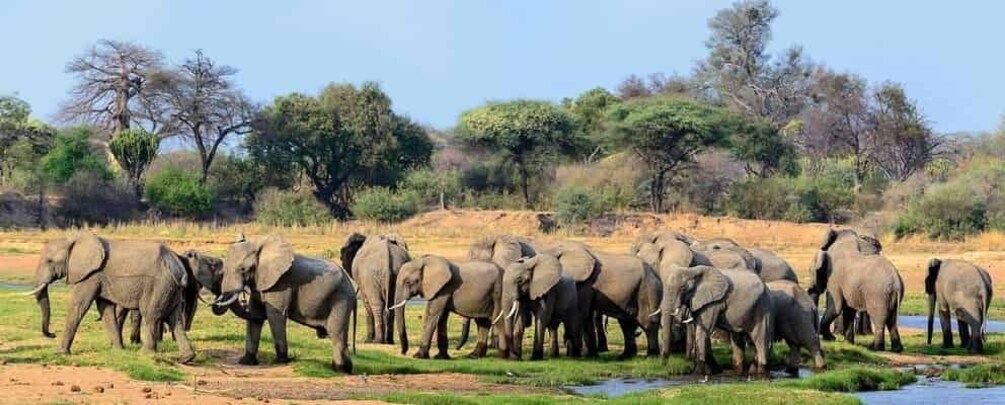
[[429, 186], [589, 110], [134, 150], [826, 196], [383, 205], [72, 153], [234, 177], [90, 199], [180, 193], [763, 148], [289, 208], [857, 379], [980, 375], [575, 205], [947, 211]]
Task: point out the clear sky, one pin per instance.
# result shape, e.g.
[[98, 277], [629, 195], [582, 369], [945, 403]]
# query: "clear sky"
[[437, 58]]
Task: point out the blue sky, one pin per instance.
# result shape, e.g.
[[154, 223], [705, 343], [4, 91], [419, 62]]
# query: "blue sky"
[[437, 58]]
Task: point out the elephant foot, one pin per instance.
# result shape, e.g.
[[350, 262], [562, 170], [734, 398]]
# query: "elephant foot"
[[896, 347], [48, 334], [344, 367], [827, 337], [443, 356], [877, 347], [653, 353], [472, 355], [421, 355], [629, 353], [283, 359], [186, 358], [135, 340], [537, 355], [248, 360], [792, 371], [321, 333], [63, 351]]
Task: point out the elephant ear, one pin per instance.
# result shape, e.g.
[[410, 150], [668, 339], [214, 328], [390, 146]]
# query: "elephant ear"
[[275, 258], [712, 286], [820, 272], [829, 239], [546, 274], [436, 274], [397, 240], [934, 266], [87, 254], [481, 249], [349, 249], [577, 263]]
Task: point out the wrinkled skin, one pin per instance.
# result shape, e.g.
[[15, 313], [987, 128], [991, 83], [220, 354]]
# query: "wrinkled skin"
[[538, 283], [373, 261], [471, 289], [287, 286], [960, 288], [132, 275], [659, 238], [502, 250], [795, 323], [736, 301], [629, 290], [726, 253], [857, 280]]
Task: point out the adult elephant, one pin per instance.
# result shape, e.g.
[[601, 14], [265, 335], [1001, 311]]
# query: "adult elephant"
[[373, 262], [192, 260], [144, 276], [284, 285], [964, 289], [726, 253], [736, 301], [553, 300], [795, 323], [471, 289], [667, 257], [857, 280], [659, 238]]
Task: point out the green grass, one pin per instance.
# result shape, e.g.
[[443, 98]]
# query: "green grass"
[[855, 380], [978, 376], [916, 303]]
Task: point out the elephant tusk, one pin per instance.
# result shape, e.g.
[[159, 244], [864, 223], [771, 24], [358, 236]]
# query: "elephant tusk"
[[37, 289], [512, 311], [676, 312], [199, 296], [227, 302], [398, 305], [495, 321], [688, 320], [655, 313]]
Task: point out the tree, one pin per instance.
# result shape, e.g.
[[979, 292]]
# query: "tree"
[[838, 122], [763, 148], [72, 153], [665, 133], [111, 79], [527, 133], [22, 139], [205, 104], [588, 110], [134, 150], [902, 140], [345, 138]]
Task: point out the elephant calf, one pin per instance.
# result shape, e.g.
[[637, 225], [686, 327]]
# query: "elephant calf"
[[795, 323], [552, 298], [961, 288]]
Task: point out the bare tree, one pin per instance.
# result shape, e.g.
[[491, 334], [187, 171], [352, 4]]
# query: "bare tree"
[[111, 76], [902, 140], [205, 105], [839, 121]]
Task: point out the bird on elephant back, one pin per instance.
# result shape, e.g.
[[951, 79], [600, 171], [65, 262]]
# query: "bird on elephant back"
[[856, 278], [374, 261], [132, 275]]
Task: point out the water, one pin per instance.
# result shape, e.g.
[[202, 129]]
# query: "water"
[[921, 322], [15, 287], [935, 391], [622, 386]]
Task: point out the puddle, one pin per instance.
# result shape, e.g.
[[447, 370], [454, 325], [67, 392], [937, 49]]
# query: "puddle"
[[921, 322], [15, 287], [934, 391], [622, 386]]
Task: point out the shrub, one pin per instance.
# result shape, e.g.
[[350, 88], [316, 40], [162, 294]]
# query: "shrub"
[[429, 186], [72, 153], [947, 211], [89, 198], [757, 198], [180, 193], [575, 205], [289, 208], [134, 149], [383, 205]]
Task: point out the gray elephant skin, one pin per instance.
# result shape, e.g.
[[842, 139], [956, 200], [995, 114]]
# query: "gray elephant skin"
[[133, 275], [736, 301], [472, 289], [795, 323], [537, 282], [726, 253], [287, 286], [857, 279], [960, 288], [373, 261]]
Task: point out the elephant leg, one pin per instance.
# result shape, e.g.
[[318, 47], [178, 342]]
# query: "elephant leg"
[[701, 352], [964, 330], [338, 332], [761, 336], [253, 335], [177, 323], [601, 322], [891, 324], [628, 327], [792, 367], [827, 318], [589, 335], [516, 345], [136, 323], [443, 343], [370, 333], [149, 325], [879, 335], [946, 321], [738, 342], [81, 297], [482, 346], [537, 353], [976, 337], [277, 325], [653, 340], [864, 325], [379, 327], [553, 349], [108, 316], [847, 324], [435, 309]]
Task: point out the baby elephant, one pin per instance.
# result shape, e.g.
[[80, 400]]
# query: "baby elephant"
[[964, 289], [795, 323]]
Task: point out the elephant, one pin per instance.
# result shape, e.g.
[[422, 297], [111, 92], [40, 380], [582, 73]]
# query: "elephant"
[[133, 275], [472, 289], [964, 289], [668, 257], [795, 323], [856, 281], [736, 301], [553, 299], [374, 262], [659, 238], [310, 291], [766, 264]]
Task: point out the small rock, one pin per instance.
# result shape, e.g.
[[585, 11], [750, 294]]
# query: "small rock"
[[99, 389], [147, 389], [3, 362], [74, 388], [58, 383], [12, 379], [202, 382], [150, 396], [110, 386]]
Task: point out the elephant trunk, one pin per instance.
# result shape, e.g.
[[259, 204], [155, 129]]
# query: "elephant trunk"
[[666, 324], [399, 319], [42, 297], [931, 316]]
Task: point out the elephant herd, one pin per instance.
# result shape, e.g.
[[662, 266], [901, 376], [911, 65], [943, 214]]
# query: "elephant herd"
[[676, 290]]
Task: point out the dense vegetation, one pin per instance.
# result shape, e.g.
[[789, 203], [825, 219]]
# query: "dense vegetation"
[[749, 133]]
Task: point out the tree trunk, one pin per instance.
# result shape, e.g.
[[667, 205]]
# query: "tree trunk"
[[524, 181]]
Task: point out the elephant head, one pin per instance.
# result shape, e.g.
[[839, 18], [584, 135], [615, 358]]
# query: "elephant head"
[[255, 264], [659, 238], [427, 276], [667, 256], [500, 249], [934, 266], [690, 291], [530, 278], [847, 239], [207, 271], [76, 258], [726, 254]]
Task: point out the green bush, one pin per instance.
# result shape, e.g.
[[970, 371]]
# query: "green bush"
[[89, 198], [289, 208], [179, 193], [72, 153], [429, 186], [826, 195], [383, 205], [575, 205], [946, 211]]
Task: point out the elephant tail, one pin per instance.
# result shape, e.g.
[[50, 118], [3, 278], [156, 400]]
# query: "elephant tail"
[[355, 305], [931, 316], [465, 331]]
